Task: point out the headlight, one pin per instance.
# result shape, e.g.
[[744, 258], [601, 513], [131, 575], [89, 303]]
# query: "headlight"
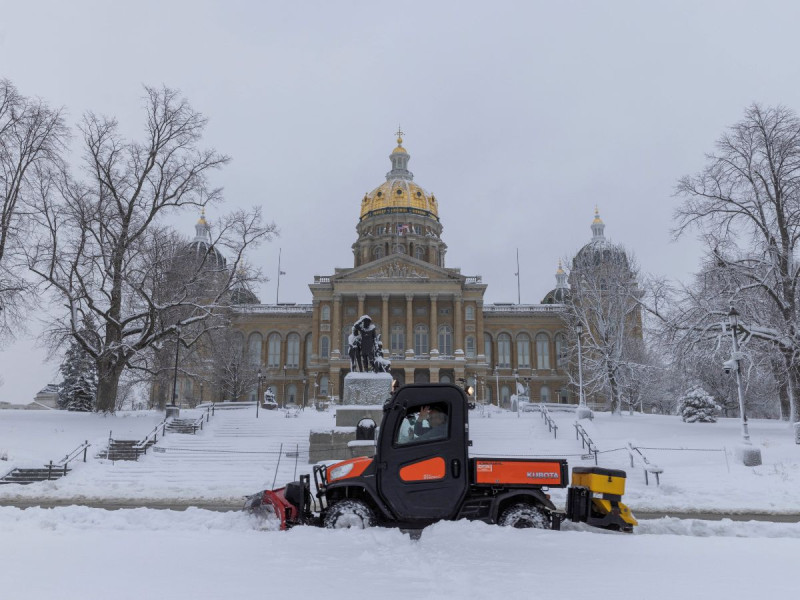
[[339, 472]]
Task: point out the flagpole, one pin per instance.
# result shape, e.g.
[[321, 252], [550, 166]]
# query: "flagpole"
[[278, 286], [519, 296]]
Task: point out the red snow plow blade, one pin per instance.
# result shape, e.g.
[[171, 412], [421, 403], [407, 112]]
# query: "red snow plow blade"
[[291, 504]]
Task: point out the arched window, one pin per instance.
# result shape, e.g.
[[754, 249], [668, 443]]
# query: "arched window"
[[505, 396], [293, 350], [326, 313], [291, 394], [323, 386], [542, 351], [421, 339], [469, 312], [398, 339], [563, 396], [419, 252], [470, 346], [254, 349], [378, 252], [561, 351], [422, 376], [544, 394], [504, 350], [487, 347], [324, 346], [274, 351], [446, 340], [309, 349], [523, 351], [445, 379], [488, 394]]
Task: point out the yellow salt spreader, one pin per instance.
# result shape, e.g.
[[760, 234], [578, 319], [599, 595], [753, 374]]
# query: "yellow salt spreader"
[[595, 498]]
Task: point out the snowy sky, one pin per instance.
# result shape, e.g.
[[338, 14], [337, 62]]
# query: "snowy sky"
[[519, 116]]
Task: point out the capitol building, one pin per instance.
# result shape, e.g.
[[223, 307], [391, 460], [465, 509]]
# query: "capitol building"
[[433, 321]]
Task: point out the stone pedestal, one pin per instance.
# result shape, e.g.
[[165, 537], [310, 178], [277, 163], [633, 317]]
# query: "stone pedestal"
[[172, 412], [366, 388]]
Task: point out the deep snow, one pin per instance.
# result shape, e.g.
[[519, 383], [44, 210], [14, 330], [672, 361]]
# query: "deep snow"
[[197, 554]]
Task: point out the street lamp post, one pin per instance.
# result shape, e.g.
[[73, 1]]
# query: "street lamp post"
[[750, 456], [583, 410], [258, 392], [172, 410], [283, 404], [497, 385]]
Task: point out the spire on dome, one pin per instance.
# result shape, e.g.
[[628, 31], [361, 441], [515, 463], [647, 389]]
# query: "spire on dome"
[[399, 158], [561, 277], [598, 227], [202, 229]]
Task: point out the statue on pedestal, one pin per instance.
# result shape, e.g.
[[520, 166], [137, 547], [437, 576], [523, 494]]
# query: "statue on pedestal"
[[365, 348]]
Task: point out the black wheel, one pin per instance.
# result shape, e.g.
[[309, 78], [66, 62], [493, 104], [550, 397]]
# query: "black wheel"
[[524, 516], [349, 514]]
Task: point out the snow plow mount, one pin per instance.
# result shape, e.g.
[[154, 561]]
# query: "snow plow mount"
[[291, 504]]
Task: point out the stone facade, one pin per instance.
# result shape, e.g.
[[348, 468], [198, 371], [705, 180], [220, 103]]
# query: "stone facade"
[[434, 324]]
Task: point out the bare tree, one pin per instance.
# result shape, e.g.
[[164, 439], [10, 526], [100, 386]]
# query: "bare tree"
[[746, 205], [604, 299], [31, 138], [106, 253]]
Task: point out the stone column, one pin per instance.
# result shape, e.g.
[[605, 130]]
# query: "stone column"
[[409, 371], [361, 298], [409, 321], [434, 325], [385, 323], [336, 327], [479, 327], [315, 331], [434, 374], [459, 323]]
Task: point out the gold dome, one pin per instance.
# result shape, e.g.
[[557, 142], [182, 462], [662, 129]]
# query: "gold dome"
[[399, 195], [597, 218]]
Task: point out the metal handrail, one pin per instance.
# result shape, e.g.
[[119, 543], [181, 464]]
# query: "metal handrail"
[[74, 454], [154, 434], [586, 441], [635, 452], [551, 425]]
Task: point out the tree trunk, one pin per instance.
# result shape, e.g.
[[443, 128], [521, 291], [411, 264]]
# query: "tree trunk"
[[107, 385]]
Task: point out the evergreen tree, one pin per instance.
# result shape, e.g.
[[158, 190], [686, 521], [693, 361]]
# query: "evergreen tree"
[[78, 389], [698, 406]]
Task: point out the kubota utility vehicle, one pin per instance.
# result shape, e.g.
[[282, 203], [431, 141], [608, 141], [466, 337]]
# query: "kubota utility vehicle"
[[422, 473]]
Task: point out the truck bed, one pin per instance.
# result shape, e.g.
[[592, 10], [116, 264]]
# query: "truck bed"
[[534, 472]]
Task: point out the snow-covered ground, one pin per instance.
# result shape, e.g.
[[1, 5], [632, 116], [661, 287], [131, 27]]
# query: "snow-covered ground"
[[237, 454], [78, 552], [199, 554]]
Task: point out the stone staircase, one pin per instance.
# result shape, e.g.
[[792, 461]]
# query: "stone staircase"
[[125, 449], [26, 476], [183, 426]]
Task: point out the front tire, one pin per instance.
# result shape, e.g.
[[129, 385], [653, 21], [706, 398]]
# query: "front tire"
[[524, 516], [350, 514]]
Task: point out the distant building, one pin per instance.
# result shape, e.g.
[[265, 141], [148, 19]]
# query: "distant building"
[[434, 324], [48, 396]]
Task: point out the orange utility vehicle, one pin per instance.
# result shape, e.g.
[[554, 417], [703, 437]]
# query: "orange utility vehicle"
[[422, 473]]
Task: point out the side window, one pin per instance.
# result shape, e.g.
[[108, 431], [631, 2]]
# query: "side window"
[[423, 424]]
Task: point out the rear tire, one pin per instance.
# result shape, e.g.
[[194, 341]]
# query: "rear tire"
[[524, 516], [350, 514]]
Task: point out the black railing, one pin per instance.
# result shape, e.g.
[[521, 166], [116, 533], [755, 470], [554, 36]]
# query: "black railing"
[[551, 425], [586, 441]]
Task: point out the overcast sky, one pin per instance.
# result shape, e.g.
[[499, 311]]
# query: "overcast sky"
[[519, 116]]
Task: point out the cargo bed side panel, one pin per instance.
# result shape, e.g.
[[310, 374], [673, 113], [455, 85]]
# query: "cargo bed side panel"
[[519, 472]]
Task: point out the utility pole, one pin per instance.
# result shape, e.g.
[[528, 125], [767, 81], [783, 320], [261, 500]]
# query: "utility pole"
[[278, 286]]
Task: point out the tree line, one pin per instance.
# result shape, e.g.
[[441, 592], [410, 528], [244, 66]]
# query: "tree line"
[[89, 237]]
